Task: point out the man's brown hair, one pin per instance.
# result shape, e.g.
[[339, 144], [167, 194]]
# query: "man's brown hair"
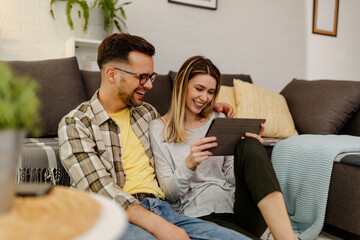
[[118, 46]]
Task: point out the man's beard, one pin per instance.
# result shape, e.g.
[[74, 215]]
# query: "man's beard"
[[128, 99]]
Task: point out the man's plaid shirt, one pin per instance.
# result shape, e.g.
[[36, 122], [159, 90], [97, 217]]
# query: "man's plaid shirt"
[[90, 148]]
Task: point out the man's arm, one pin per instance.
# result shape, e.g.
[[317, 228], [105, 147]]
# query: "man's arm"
[[84, 162], [154, 224], [225, 108]]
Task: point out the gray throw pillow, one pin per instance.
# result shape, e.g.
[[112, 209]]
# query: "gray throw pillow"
[[61, 89], [322, 106]]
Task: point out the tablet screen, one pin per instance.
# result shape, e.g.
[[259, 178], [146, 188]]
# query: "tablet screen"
[[228, 132]]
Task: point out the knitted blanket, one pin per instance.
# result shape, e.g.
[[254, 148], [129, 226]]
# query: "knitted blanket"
[[303, 166]]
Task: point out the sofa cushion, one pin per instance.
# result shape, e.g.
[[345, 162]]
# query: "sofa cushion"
[[353, 126], [227, 95], [256, 102], [61, 89], [160, 95], [322, 106], [227, 79], [91, 81], [172, 76]]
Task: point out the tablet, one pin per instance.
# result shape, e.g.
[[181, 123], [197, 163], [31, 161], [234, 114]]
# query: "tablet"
[[228, 132]]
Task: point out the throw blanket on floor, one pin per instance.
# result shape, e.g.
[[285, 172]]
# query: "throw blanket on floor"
[[303, 165]]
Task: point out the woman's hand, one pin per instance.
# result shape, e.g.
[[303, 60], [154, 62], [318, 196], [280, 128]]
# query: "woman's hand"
[[257, 136], [198, 152]]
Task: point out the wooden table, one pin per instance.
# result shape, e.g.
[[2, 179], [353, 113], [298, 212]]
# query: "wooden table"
[[64, 213]]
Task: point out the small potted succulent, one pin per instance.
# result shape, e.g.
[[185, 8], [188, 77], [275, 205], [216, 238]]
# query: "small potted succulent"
[[114, 14], [19, 112]]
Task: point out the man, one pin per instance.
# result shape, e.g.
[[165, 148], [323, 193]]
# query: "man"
[[104, 145]]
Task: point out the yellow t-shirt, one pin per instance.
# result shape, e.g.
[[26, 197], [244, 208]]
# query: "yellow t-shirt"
[[140, 176]]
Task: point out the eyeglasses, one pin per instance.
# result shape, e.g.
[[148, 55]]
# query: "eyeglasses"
[[143, 78]]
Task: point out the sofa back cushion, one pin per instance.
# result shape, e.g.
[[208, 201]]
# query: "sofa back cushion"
[[61, 89], [91, 81], [353, 126], [322, 106], [160, 95], [227, 79]]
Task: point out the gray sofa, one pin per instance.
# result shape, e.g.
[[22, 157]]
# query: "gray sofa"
[[317, 107]]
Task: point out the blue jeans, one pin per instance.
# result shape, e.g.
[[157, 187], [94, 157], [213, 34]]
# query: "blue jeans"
[[195, 228]]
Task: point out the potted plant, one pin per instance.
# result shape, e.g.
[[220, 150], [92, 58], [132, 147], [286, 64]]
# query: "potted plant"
[[114, 14], [19, 112], [69, 5]]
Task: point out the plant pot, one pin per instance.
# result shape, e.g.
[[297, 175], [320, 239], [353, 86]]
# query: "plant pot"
[[95, 29], [10, 146]]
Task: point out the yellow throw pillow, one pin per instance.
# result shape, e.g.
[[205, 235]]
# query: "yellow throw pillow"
[[256, 102], [227, 94]]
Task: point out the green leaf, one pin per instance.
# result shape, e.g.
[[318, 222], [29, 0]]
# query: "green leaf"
[[19, 104], [118, 25], [112, 10]]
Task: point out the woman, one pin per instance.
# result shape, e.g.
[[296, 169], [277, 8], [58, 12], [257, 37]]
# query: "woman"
[[242, 193]]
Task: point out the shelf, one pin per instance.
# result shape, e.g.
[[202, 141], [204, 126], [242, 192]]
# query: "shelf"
[[85, 51]]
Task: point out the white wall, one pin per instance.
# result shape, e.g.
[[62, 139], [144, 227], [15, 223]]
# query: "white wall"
[[335, 57], [270, 40], [27, 31], [262, 38]]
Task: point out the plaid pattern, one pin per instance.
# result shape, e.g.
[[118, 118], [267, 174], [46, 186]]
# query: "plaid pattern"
[[90, 148]]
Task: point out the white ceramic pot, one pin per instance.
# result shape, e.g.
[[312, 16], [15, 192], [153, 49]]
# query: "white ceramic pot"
[[95, 30], [10, 146]]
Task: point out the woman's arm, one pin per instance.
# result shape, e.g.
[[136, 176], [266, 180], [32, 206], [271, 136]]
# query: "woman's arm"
[[174, 181], [174, 178]]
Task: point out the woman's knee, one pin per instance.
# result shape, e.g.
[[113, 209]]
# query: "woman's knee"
[[250, 147]]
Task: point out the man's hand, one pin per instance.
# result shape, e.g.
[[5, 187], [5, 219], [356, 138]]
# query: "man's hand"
[[154, 224], [225, 108]]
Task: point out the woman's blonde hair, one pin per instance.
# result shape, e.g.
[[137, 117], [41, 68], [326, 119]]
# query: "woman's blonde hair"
[[174, 130]]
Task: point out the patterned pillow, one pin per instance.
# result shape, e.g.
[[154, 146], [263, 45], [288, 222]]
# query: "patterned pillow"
[[256, 102]]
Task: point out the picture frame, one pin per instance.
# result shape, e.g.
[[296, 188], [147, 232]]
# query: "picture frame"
[[208, 4], [325, 17]]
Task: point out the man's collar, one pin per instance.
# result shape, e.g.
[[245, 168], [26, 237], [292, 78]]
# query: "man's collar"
[[100, 114]]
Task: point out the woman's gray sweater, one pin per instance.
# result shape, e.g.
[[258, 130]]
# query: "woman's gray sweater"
[[208, 189]]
